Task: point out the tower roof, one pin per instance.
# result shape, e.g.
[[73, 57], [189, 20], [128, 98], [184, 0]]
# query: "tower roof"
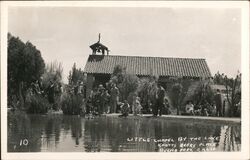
[[99, 47]]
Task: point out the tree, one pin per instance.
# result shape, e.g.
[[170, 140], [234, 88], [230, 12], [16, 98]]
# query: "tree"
[[126, 83], [219, 78], [72, 102], [233, 96], [129, 85], [25, 65], [176, 95], [147, 91], [53, 75], [76, 75], [118, 74], [233, 90], [203, 94]]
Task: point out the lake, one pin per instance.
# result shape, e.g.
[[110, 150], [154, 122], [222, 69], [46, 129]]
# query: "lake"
[[61, 133]]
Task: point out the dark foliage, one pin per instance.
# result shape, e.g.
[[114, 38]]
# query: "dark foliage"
[[72, 100], [147, 91], [25, 65], [126, 83], [233, 91], [176, 96], [76, 75], [203, 94], [72, 104], [37, 104]]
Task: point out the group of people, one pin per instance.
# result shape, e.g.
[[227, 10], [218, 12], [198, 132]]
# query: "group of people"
[[200, 110], [102, 100], [217, 108], [136, 107]]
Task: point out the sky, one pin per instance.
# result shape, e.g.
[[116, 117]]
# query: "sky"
[[64, 34]]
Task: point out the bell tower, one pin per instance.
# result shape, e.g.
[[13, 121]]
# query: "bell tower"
[[98, 48]]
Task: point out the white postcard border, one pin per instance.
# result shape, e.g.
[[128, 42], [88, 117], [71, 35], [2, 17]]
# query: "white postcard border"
[[243, 154]]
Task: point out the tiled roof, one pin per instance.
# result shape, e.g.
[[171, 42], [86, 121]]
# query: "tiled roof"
[[144, 66]]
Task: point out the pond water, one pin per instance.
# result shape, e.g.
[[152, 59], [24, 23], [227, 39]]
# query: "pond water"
[[60, 133]]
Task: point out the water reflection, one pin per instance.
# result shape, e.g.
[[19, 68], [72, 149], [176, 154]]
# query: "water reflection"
[[59, 133]]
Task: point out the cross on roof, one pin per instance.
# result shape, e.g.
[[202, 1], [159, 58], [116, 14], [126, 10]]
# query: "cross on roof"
[[99, 37]]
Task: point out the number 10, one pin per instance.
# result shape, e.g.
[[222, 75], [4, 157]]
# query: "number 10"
[[24, 142]]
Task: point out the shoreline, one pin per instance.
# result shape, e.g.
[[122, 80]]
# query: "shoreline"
[[186, 118], [175, 118]]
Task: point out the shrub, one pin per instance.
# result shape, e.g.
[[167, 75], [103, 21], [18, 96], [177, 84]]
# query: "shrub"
[[147, 90], [72, 104], [37, 104], [203, 94], [53, 74], [128, 85], [177, 96]]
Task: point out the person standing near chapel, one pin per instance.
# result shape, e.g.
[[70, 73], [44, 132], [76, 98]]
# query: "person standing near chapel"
[[218, 103], [105, 101], [114, 98], [160, 100], [100, 97]]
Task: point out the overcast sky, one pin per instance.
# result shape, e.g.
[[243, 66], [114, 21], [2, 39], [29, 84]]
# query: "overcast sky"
[[65, 34]]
